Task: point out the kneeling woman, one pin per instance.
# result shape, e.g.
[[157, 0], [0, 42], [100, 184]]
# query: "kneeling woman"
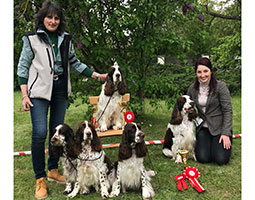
[[212, 98]]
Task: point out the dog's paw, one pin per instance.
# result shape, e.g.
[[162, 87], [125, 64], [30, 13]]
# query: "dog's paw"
[[114, 194], [151, 173], [103, 128], [119, 125], [147, 193], [68, 189], [71, 195], [178, 160], [66, 192], [104, 195], [84, 191]]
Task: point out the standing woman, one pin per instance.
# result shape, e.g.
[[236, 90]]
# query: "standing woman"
[[212, 98], [44, 79]]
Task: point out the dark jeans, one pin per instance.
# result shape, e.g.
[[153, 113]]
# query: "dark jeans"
[[39, 117], [208, 149]]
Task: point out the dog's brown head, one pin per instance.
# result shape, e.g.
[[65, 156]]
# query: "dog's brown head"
[[86, 134], [63, 140], [132, 138], [115, 81], [183, 106]]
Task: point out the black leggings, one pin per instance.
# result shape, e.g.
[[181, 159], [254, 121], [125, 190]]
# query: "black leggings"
[[208, 149]]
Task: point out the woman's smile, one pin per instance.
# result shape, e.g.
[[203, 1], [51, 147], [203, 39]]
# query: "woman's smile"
[[203, 73], [51, 22]]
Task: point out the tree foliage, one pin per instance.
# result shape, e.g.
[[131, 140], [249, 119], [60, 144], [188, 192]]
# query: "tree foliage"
[[135, 33]]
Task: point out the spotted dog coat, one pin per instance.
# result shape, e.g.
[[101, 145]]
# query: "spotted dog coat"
[[63, 145], [180, 133], [93, 166], [130, 172], [108, 109]]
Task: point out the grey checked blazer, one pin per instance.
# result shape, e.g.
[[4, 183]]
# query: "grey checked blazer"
[[218, 113]]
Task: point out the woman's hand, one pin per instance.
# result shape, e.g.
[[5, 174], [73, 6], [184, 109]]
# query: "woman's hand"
[[100, 77], [26, 103], [226, 141], [103, 77]]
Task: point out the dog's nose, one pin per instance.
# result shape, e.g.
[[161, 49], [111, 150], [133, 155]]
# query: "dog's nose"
[[89, 134], [117, 76], [192, 103], [141, 134], [53, 139]]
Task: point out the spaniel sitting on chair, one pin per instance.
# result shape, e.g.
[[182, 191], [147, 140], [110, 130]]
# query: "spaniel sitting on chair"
[[130, 172], [180, 134], [63, 145], [109, 110], [94, 167]]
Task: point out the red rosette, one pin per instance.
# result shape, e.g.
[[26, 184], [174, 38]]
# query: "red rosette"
[[181, 182], [192, 174], [129, 116]]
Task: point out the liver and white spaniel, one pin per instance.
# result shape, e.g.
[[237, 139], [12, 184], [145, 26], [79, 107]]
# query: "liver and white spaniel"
[[180, 133], [130, 172], [109, 110], [63, 145], [93, 166]]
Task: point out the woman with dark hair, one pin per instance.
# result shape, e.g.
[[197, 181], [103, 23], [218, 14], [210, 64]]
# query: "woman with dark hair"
[[214, 131], [44, 79]]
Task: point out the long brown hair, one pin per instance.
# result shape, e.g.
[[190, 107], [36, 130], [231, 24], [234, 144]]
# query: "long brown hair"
[[49, 7], [213, 82]]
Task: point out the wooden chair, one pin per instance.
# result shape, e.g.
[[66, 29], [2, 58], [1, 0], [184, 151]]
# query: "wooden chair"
[[94, 100]]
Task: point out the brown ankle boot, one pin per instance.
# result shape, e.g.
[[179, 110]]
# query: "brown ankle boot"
[[41, 188], [54, 175]]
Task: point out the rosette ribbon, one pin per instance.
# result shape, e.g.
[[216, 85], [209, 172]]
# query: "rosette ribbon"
[[129, 116], [192, 173], [181, 182], [93, 121]]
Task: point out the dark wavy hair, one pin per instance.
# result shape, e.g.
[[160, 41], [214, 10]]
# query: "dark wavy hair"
[[213, 82], [50, 7]]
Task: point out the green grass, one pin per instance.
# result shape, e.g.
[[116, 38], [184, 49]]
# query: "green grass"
[[220, 182]]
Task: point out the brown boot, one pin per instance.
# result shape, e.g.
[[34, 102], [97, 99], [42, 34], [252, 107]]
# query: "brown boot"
[[54, 175], [41, 188]]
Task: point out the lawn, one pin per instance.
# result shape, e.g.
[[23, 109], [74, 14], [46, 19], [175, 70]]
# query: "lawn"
[[220, 182]]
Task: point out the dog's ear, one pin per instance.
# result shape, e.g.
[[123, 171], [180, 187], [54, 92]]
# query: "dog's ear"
[[128, 134], [125, 151], [122, 88], [141, 149], [73, 147], [192, 115], [78, 139], [57, 151], [69, 134], [180, 102], [96, 142], [109, 87], [176, 113]]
